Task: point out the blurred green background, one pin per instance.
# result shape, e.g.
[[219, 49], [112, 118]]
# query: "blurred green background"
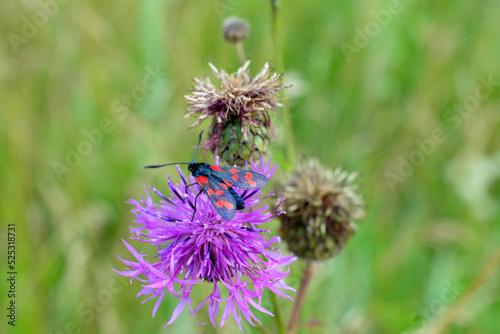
[[366, 109]]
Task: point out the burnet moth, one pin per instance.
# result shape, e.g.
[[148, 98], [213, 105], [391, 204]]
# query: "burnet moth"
[[217, 183]]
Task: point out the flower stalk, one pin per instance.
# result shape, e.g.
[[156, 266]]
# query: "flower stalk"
[[297, 308], [280, 65], [241, 53], [277, 312]]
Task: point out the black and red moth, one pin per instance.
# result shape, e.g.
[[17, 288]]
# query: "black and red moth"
[[218, 182]]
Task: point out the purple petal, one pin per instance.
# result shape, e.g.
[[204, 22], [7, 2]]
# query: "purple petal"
[[177, 311]]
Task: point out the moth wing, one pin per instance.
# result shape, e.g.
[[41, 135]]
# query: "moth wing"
[[240, 178], [221, 199]]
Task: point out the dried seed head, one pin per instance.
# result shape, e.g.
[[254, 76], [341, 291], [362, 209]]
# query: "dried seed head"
[[235, 30], [241, 126], [321, 210]]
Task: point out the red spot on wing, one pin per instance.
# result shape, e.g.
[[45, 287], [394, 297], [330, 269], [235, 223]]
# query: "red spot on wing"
[[203, 179], [223, 185], [234, 170], [215, 168], [218, 192], [248, 176], [229, 184], [210, 191], [219, 203], [235, 177], [228, 205], [200, 182], [252, 183]]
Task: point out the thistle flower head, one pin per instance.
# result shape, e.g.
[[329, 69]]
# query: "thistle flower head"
[[239, 108], [321, 210], [233, 255], [235, 30]]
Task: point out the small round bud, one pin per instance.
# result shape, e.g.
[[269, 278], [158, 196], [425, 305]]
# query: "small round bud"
[[235, 30]]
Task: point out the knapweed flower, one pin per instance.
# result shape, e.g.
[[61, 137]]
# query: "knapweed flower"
[[239, 108], [321, 208], [235, 256]]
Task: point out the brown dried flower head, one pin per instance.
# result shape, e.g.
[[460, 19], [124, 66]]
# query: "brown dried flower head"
[[235, 30], [321, 210], [238, 107]]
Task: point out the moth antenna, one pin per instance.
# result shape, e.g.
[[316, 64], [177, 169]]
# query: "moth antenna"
[[174, 163], [198, 146]]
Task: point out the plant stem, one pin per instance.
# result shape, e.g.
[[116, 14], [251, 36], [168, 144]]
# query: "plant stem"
[[280, 66], [304, 284], [442, 324], [241, 52], [278, 53], [277, 313]]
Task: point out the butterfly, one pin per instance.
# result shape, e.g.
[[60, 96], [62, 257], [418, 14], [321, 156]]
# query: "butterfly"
[[217, 183]]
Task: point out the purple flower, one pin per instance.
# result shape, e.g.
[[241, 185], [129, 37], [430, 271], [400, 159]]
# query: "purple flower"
[[233, 255]]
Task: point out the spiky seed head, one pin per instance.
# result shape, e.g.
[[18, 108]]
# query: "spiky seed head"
[[239, 109], [235, 30], [322, 209]]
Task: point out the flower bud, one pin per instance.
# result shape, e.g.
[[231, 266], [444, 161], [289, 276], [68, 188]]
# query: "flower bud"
[[235, 30]]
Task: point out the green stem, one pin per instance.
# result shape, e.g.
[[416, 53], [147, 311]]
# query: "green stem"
[[297, 309], [278, 53], [277, 313], [280, 66], [241, 52]]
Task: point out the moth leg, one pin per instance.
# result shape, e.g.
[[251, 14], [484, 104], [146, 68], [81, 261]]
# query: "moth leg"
[[189, 185], [195, 199]]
